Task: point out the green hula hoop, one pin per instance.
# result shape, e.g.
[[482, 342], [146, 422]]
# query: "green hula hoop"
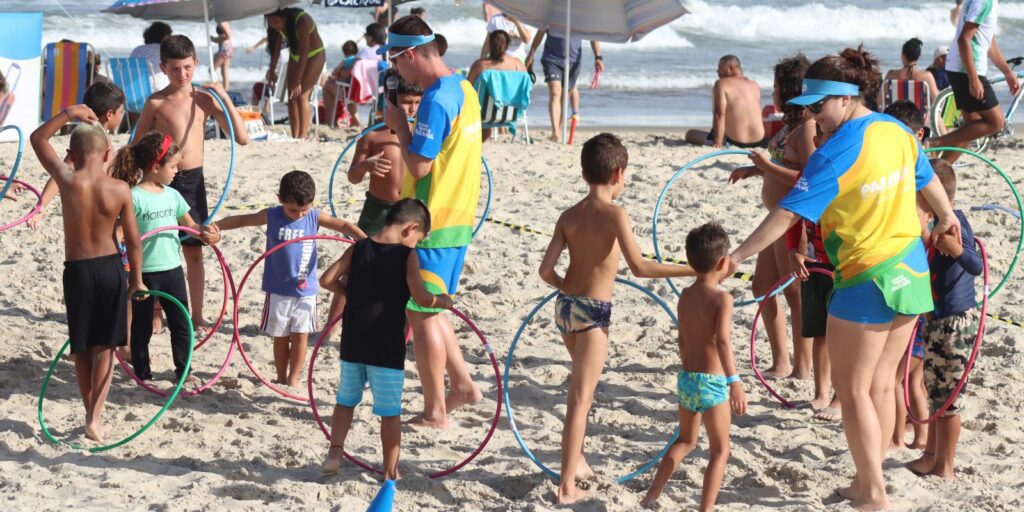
[[1016, 197], [137, 433]]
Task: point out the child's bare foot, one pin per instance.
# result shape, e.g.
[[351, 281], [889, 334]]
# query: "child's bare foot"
[[421, 420], [829, 414], [583, 470], [571, 495], [922, 465], [800, 373], [649, 503], [458, 397], [333, 462], [847, 493], [819, 403], [202, 328], [158, 324], [895, 446], [917, 445], [779, 371], [95, 431], [871, 505]]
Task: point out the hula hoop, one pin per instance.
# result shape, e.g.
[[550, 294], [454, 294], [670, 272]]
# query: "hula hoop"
[[231, 163], [781, 285], [439, 474], [238, 294], [970, 361], [137, 433], [30, 214], [17, 158], [353, 140], [1020, 210], [508, 401], [229, 282]]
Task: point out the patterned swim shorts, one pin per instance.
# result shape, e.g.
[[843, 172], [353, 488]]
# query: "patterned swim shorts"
[[575, 314], [948, 342]]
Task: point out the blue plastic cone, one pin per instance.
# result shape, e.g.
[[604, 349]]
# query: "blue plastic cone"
[[385, 498]]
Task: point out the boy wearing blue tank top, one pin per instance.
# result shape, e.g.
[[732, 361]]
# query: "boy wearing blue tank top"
[[383, 274], [289, 275]]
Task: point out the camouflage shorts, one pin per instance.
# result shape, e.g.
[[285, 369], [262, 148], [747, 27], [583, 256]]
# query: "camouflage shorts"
[[947, 343]]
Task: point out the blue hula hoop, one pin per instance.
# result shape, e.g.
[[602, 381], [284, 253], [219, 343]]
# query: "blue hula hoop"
[[508, 403], [353, 140], [17, 160], [657, 210]]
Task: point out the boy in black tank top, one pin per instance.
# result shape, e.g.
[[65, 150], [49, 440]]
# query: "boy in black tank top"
[[381, 273]]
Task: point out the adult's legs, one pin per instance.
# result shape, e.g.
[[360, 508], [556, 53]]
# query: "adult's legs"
[[555, 109], [195, 274], [854, 350], [330, 102], [765, 276], [801, 345], [976, 125], [696, 137], [310, 77], [437, 351], [588, 355], [883, 384]]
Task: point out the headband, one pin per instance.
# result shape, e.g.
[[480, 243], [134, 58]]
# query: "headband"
[[164, 147], [816, 90], [403, 41]]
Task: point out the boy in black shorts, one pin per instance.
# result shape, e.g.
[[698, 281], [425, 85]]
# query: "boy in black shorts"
[[96, 288], [382, 273], [966, 66]]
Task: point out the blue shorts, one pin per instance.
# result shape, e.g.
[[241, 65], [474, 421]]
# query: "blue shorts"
[[865, 303], [698, 392], [385, 385], [441, 269]]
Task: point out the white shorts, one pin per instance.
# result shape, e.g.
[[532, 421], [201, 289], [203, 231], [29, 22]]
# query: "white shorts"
[[284, 315]]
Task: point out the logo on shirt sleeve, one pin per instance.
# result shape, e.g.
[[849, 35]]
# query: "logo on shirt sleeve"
[[802, 185], [423, 130]]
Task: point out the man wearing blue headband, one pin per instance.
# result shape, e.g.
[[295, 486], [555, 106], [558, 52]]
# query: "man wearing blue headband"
[[442, 155], [736, 107]]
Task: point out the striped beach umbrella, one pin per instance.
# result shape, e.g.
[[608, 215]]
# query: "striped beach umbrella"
[[613, 21]]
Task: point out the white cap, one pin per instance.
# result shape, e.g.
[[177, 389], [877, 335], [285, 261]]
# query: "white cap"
[[940, 51]]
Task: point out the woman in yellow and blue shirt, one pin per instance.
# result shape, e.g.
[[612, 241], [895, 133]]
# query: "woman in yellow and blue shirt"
[[862, 186]]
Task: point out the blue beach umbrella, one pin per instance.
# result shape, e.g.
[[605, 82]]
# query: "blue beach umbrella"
[[613, 21], [197, 10]]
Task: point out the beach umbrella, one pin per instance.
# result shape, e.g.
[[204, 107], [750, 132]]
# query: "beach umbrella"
[[197, 10], [613, 21]]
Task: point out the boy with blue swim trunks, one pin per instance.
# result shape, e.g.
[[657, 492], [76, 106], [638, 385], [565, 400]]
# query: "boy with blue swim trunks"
[[382, 274], [708, 379]]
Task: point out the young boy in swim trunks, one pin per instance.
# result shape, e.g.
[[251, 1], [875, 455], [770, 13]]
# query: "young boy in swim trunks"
[[378, 155], [96, 286], [595, 230], [708, 385], [949, 333], [180, 110], [383, 273], [289, 274]]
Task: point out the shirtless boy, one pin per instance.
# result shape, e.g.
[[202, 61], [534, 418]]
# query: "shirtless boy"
[[736, 106], [379, 156], [96, 289], [708, 385], [180, 110], [595, 231]]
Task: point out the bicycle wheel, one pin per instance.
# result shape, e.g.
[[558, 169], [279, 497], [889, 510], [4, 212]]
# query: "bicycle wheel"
[[946, 115]]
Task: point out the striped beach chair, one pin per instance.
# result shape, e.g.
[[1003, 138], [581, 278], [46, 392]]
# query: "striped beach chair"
[[504, 98], [68, 73], [914, 91], [135, 78]]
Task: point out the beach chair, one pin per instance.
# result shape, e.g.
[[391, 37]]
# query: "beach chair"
[[13, 76], [915, 91], [504, 98], [135, 78], [270, 93], [68, 73]]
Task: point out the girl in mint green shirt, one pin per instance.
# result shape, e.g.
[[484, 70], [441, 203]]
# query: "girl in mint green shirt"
[[148, 166]]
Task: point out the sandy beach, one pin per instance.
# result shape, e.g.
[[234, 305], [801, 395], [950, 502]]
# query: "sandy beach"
[[239, 446]]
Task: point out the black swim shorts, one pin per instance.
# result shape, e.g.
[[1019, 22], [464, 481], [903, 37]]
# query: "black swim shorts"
[[814, 295], [962, 93], [96, 298], [192, 187], [554, 71]]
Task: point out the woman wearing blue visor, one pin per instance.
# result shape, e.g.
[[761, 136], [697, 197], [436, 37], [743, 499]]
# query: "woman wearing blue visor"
[[862, 185]]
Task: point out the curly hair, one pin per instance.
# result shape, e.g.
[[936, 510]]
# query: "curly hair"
[[297, 187], [853, 66], [789, 77]]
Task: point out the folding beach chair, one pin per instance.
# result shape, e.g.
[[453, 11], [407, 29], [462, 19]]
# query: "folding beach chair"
[[13, 76], [135, 77], [68, 73], [504, 98], [271, 93], [915, 91]]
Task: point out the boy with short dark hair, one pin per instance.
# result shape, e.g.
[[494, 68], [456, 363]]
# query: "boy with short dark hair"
[[289, 275], [708, 384], [595, 230], [949, 332], [96, 288], [382, 273], [106, 100], [180, 110], [907, 113]]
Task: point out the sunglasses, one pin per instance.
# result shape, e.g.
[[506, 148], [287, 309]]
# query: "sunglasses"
[[815, 108], [392, 57]]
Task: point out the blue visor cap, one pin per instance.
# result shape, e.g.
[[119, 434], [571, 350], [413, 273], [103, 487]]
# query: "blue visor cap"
[[817, 90], [402, 41]]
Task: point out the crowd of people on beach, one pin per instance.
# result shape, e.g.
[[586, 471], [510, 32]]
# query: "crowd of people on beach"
[[879, 253]]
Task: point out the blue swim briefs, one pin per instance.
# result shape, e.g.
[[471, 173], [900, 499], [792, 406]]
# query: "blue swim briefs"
[[699, 392]]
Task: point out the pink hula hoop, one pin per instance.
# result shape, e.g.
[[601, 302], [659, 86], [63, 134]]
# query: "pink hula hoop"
[[970, 361], [30, 214], [238, 293], [229, 282], [753, 338], [439, 474]]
